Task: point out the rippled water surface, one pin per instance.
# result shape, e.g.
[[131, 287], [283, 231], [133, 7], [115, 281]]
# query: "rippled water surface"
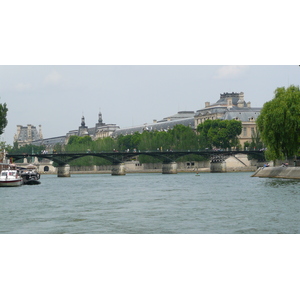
[[152, 203]]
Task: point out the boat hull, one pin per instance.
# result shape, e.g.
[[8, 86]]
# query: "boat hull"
[[11, 183], [31, 182]]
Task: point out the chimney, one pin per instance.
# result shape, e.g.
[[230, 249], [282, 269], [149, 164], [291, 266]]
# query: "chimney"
[[207, 104], [19, 129], [40, 132], [241, 96], [229, 102], [29, 133]]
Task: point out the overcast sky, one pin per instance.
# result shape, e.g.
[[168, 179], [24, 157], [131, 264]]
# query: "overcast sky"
[[137, 62], [56, 97]]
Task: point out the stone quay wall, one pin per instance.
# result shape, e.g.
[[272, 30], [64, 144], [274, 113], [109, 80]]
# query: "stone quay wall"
[[278, 172], [238, 163]]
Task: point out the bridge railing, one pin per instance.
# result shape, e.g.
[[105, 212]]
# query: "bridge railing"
[[204, 151]]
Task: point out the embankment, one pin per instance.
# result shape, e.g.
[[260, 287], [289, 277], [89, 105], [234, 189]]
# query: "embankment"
[[278, 172]]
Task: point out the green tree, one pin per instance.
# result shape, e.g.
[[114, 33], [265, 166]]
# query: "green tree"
[[104, 144], [79, 144], [183, 138], [3, 117], [180, 137], [219, 133], [279, 123], [130, 141], [29, 149], [6, 147], [255, 144]]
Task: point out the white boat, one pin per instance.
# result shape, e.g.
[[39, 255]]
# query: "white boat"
[[9, 176]]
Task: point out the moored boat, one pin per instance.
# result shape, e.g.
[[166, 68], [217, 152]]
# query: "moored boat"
[[30, 176], [9, 176]]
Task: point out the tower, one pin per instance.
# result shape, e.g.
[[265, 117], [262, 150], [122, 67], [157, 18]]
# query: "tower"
[[83, 121], [82, 130], [40, 132], [100, 120], [100, 117]]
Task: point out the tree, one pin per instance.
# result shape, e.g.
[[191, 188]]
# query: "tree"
[[130, 141], [219, 133], [256, 144], [183, 138], [6, 147], [104, 144], [3, 119], [279, 123], [29, 149]]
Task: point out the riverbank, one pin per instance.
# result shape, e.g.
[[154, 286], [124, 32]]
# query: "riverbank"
[[237, 163], [278, 172], [202, 170]]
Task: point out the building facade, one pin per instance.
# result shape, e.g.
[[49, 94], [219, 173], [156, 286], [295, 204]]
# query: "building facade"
[[231, 106], [100, 130], [185, 118], [27, 134]]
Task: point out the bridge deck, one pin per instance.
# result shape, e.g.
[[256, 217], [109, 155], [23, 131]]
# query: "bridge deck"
[[115, 157]]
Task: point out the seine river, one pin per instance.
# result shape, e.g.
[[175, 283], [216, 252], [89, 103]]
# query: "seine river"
[[231, 203]]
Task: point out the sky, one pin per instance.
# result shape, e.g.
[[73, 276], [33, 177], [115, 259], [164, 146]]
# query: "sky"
[[137, 61], [57, 96]]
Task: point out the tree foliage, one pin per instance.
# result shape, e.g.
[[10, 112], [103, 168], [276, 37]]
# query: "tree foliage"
[[128, 141], [279, 123], [27, 149], [179, 138], [3, 117], [5, 146], [219, 133], [86, 144], [255, 144]]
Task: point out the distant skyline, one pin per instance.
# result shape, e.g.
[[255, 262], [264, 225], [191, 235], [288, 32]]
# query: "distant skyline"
[[56, 97]]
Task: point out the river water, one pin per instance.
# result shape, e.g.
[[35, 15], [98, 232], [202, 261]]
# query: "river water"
[[215, 203]]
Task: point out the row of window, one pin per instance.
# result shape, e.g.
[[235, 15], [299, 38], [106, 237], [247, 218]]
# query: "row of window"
[[245, 131]]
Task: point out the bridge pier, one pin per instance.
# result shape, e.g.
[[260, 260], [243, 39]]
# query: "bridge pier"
[[118, 169], [63, 171], [169, 168], [218, 167]]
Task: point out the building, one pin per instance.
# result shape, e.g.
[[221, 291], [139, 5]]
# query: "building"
[[100, 130], [231, 106], [27, 134], [182, 117]]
